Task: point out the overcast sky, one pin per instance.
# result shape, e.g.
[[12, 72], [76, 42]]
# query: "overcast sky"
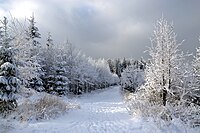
[[109, 28]]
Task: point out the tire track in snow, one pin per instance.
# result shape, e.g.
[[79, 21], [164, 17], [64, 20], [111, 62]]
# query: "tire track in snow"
[[105, 116]]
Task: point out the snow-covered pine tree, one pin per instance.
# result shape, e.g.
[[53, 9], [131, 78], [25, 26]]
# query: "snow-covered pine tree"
[[32, 35], [61, 80], [48, 64], [49, 42], [54, 67], [9, 82], [111, 65], [118, 67], [33, 31], [27, 63], [124, 64]]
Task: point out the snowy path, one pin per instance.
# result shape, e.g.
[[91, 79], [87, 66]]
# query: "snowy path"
[[102, 112]]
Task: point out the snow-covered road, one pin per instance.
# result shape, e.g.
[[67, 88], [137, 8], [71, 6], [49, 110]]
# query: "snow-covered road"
[[101, 112]]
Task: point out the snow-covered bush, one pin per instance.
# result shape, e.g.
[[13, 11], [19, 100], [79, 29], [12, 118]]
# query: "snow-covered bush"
[[46, 107], [147, 104], [49, 107]]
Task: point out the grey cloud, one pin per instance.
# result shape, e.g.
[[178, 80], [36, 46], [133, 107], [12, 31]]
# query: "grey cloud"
[[115, 28]]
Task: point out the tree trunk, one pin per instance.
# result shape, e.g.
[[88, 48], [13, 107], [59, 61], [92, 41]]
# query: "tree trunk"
[[164, 96]]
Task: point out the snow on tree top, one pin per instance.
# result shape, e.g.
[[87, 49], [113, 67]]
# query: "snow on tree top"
[[7, 66]]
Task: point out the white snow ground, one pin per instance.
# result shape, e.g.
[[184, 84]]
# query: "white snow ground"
[[100, 112]]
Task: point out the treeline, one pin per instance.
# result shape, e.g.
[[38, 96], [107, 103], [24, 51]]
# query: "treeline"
[[66, 68], [130, 72], [117, 66], [53, 68]]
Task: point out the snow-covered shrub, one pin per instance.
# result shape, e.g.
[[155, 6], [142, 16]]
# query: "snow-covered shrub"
[[147, 104], [45, 108], [189, 113], [49, 107]]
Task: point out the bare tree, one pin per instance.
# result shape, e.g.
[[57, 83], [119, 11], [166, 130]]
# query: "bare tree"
[[163, 71]]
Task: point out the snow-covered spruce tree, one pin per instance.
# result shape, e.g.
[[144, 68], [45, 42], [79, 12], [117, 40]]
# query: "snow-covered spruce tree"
[[61, 80], [111, 65], [118, 67], [9, 82], [27, 63], [124, 64], [48, 64], [33, 31], [55, 69], [49, 42], [32, 34]]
